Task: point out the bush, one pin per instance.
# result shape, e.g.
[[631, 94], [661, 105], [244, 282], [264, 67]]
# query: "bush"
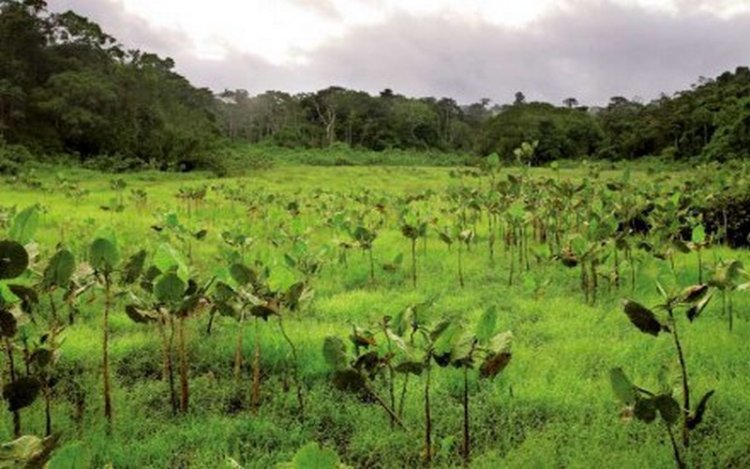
[[13, 158]]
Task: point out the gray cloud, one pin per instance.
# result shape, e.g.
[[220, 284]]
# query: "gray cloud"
[[590, 50]]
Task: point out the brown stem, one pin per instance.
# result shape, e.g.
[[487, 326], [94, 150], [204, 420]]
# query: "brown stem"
[[427, 415], [168, 373], [295, 371], [184, 384], [255, 399], [467, 440], [414, 262], [12, 373], [105, 353]]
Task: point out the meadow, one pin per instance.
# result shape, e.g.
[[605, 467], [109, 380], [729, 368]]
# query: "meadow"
[[309, 313]]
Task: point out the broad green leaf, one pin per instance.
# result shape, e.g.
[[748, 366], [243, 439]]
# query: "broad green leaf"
[[25, 225], [242, 274], [349, 380], [487, 324], [103, 255], [698, 235], [645, 409], [312, 456], [621, 385], [134, 267], [168, 259], [169, 288], [668, 407], [59, 270], [334, 352]]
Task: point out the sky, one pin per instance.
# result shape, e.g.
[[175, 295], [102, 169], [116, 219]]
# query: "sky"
[[465, 49]]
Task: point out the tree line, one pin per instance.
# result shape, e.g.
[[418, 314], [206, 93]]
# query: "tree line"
[[68, 87]]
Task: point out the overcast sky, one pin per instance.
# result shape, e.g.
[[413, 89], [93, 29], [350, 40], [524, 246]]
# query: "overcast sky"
[[466, 49]]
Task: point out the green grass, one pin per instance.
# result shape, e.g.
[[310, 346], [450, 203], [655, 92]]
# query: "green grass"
[[552, 407]]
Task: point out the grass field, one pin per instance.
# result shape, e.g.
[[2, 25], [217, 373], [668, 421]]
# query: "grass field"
[[553, 406]]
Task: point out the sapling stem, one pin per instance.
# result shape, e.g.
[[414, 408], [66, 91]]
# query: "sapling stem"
[[255, 400], [295, 370], [685, 386], [184, 384], [675, 449], [427, 415], [105, 352], [12, 374]]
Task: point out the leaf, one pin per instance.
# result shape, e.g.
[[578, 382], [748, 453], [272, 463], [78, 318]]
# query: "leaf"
[[695, 419], [668, 408], [60, 270], [693, 294], [169, 289], [645, 409], [167, 259], [681, 246], [621, 385], [446, 340], [21, 393], [103, 255], [134, 267], [25, 225], [263, 312], [139, 315], [334, 352], [8, 324], [494, 364], [361, 337], [698, 235], [486, 325], [413, 367], [349, 380], [28, 296], [41, 357], [242, 274], [695, 310], [312, 456], [13, 259], [642, 318], [27, 452]]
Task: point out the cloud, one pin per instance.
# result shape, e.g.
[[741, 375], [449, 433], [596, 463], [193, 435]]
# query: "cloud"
[[586, 49]]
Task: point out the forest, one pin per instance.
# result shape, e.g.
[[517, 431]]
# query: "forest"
[[68, 88]]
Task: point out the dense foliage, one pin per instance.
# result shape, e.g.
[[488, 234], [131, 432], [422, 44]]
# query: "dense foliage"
[[67, 86]]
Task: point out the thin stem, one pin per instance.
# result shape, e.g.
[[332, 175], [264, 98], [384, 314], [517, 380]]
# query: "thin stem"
[[184, 386], [675, 449], [467, 440], [427, 415], [295, 371], [105, 353], [685, 386]]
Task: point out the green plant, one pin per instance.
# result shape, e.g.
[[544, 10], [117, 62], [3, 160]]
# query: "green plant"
[[646, 403]]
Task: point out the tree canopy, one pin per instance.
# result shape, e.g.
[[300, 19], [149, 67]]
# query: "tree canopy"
[[67, 86]]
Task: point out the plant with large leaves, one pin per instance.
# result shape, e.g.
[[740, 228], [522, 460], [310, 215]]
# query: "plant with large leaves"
[[693, 301], [456, 345], [105, 259], [16, 303], [729, 276]]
